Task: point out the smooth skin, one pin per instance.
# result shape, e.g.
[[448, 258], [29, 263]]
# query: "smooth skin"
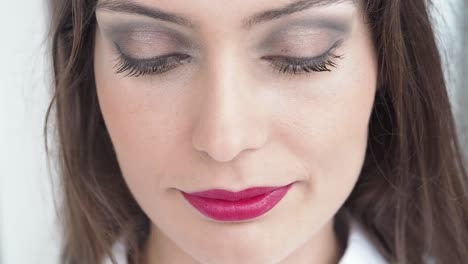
[[226, 118]]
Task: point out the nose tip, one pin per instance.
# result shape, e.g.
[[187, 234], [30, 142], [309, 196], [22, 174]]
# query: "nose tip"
[[224, 145], [219, 149], [224, 137]]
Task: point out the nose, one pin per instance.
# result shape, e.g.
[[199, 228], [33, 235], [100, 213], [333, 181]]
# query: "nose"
[[231, 119]]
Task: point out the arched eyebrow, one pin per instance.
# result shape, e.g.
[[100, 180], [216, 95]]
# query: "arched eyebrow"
[[291, 8], [131, 7]]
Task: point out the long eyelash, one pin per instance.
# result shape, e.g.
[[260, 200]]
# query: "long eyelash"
[[159, 65], [296, 65]]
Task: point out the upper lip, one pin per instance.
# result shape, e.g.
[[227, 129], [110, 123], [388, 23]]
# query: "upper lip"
[[221, 194]]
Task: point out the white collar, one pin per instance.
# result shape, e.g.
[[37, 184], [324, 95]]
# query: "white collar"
[[359, 248]]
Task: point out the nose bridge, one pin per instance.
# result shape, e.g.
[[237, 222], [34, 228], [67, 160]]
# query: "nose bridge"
[[229, 121]]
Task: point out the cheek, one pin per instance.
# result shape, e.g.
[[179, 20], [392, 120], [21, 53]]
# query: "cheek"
[[327, 127], [143, 122]]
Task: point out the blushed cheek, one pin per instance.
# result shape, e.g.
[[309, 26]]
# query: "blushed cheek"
[[144, 124], [122, 109], [355, 95], [329, 131]]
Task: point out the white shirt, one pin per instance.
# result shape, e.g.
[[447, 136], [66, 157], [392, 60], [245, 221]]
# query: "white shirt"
[[359, 249]]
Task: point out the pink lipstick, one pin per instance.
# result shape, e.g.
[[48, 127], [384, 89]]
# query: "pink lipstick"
[[224, 205]]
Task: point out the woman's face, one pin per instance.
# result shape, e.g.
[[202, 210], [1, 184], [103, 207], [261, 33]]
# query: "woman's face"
[[228, 112]]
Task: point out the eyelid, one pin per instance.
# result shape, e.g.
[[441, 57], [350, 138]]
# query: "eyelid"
[[152, 34], [286, 57], [154, 58], [137, 67]]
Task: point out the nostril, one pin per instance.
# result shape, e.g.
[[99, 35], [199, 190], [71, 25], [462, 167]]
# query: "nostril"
[[218, 152]]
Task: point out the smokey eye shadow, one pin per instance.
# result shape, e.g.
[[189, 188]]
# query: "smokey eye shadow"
[[125, 33], [332, 28]]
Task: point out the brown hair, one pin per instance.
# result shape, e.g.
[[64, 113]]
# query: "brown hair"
[[411, 193]]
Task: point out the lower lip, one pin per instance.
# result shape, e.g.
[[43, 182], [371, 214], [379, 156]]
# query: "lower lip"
[[223, 210]]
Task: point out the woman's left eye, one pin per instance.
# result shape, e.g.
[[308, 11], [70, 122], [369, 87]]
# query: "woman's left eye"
[[298, 65], [292, 65]]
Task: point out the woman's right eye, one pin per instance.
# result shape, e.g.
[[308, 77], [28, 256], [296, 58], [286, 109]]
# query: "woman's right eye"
[[158, 65]]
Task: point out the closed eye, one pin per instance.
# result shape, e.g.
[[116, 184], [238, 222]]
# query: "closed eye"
[[298, 65], [158, 65], [283, 64]]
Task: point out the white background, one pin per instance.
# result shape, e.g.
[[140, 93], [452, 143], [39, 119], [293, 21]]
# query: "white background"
[[28, 229]]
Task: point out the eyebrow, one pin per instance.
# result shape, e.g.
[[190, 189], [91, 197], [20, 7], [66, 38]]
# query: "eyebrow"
[[130, 7], [291, 8]]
